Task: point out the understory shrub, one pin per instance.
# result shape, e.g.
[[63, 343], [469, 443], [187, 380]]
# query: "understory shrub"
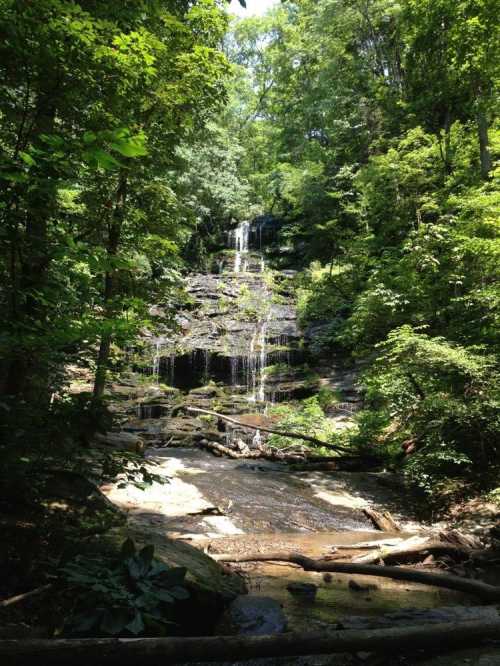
[[129, 595], [439, 402]]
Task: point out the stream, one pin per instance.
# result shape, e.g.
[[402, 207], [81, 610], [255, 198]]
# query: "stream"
[[233, 330], [231, 506]]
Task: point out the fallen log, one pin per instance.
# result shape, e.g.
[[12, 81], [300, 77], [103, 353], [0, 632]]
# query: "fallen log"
[[483, 591], [368, 545], [410, 617], [460, 539], [413, 548], [27, 595], [268, 453], [382, 521], [149, 651], [221, 450], [273, 431]]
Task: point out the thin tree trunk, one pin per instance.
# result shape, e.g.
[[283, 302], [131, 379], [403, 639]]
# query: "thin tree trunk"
[[27, 374], [27, 595], [484, 144], [114, 233]]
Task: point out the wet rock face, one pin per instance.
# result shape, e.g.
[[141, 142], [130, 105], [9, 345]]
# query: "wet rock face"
[[235, 348], [253, 616], [232, 328]]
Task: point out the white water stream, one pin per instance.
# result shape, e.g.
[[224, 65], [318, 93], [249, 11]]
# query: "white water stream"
[[240, 241]]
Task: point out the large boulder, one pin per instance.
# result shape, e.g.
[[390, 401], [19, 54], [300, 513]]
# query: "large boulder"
[[211, 585], [123, 441], [252, 616]]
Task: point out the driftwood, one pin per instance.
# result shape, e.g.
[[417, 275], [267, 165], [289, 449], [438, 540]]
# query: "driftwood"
[[368, 545], [382, 521], [413, 548], [146, 651], [483, 591], [273, 431], [269, 453], [27, 595], [221, 450]]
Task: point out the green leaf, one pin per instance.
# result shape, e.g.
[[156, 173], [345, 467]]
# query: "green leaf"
[[84, 622], [147, 553], [130, 149], [137, 625], [89, 137], [114, 621], [128, 549], [163, 595], [136, 567], [26, 158], [14, 176], [179, 592]]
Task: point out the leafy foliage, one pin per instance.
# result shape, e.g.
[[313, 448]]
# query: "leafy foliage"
[[132, 595], [305, 417], [373, 132]]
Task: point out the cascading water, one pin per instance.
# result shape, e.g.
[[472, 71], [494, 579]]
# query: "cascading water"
[[156, 361], [240, 241], [228, 334]]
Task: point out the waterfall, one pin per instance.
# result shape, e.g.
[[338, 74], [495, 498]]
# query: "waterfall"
[[206, 365], [252, 368], [261, 395], [156, 362], [240, 238], [170, 369]]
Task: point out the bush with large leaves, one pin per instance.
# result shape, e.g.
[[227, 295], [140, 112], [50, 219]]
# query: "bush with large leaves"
[[132, 594]]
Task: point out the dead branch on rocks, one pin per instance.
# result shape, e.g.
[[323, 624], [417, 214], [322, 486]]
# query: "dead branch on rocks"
[[481, 590], [27, 595], [266, 453], [412, 548], [368, 545], [149, 651], [221, 450], [273, 431], [382, 521]]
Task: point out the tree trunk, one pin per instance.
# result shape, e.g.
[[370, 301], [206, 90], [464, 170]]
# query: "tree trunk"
[[27, 374], [484, 143], [122, 652], [114, 233]]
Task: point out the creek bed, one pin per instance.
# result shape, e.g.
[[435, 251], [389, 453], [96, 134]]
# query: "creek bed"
[[236, 506]]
